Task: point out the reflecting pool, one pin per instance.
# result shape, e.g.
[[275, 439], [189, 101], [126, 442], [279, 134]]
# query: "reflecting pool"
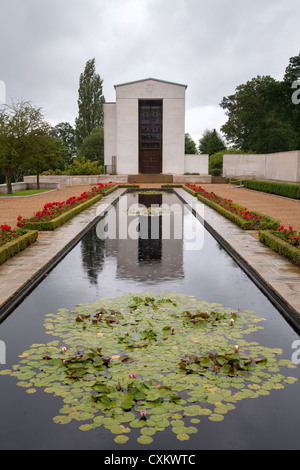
[[144, 246]]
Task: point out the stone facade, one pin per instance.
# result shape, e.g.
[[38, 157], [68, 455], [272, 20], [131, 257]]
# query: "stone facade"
[[122, 128]]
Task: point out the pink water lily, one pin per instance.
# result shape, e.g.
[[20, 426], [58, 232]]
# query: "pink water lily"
[[143, 414], [132, 375]]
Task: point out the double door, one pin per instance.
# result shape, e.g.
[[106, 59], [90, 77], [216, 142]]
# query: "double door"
[[150, 136]]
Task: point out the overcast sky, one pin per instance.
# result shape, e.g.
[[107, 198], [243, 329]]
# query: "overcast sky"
[[210, 45]]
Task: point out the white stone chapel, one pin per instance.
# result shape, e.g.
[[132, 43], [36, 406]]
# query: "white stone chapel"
[[144, 130]]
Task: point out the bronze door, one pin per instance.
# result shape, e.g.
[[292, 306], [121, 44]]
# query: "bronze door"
[[150, 136]]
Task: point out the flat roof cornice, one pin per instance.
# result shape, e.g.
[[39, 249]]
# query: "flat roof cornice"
[[147, 79]]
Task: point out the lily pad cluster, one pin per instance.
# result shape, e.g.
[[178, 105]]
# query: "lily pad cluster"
[[150, 363]]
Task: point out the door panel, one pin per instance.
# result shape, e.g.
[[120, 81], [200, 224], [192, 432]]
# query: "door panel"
[[150, 136]]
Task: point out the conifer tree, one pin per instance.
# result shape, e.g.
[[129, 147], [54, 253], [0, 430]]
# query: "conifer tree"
[[90, 103]]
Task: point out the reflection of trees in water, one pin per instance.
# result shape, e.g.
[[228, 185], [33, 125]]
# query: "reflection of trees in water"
[[93, 254]]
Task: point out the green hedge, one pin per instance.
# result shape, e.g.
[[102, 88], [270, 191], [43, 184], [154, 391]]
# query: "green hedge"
[[272, 187], [280, 246], [62, 219], [266, 223], [16, 246]]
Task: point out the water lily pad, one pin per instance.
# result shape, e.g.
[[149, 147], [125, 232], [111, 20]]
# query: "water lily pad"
[[148, 361], [145, 439]]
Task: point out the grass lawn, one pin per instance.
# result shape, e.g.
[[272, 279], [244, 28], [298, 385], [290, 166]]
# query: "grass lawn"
[[28, 192]]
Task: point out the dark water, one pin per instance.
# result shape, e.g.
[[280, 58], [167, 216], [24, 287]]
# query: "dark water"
[[109, 268]]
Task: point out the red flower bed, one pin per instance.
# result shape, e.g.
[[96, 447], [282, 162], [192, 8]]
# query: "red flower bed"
[[288, 235], [52, 210], [227, 204], [7, 234]]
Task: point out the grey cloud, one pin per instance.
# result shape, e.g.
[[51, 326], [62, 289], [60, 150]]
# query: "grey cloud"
[[210, 45]]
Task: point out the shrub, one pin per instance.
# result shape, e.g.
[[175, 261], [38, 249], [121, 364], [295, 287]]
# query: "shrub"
[[279, 245], [272, 187], [55, 214], [247, 220], [17, 244]]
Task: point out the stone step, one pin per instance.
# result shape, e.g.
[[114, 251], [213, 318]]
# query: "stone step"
[[150, 178]]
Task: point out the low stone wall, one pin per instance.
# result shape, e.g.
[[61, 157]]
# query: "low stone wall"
[[281, 166], [66, 181], [193, 179], [23, 186]]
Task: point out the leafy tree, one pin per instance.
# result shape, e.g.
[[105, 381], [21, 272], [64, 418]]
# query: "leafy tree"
[[204, 140], [67, 134], [45, 151], [93, 146], [90, 103], [17, 122], [190, 146], [255, 119], [292, 72]]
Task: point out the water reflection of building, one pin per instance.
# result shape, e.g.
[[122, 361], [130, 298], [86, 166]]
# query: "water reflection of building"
[[147, 253]]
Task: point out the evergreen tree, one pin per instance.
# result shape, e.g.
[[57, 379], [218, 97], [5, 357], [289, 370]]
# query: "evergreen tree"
[[215, 143], [190, 146], [90, 103]]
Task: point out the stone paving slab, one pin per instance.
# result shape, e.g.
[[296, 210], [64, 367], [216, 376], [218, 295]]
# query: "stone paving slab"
[[282, 277], [18, 271]]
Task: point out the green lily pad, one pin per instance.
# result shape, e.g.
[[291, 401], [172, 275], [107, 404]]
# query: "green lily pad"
[[148, 361]]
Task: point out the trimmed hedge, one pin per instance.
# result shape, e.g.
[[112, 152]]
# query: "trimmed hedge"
[[280, 189], [62, 219], [280, 246], [65, 217], [266, 222], [16, 246]]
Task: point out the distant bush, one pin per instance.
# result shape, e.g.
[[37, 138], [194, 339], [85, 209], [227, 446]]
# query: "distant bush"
[[216, 161], [272, 187]]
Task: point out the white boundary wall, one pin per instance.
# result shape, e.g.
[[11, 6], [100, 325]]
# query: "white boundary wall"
[[282, 166], [196, 164]]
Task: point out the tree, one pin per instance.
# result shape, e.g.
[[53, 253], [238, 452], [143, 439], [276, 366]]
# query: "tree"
[[203, 142], [215, 143], [45, 151], [90, 103], [292, 72], [17, 122], [255, 117], [67, 134], [93, 146], [190, 146]]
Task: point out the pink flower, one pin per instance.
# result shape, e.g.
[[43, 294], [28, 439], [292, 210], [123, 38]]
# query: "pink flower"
[[143, 414], [236, 349], [132, 375]]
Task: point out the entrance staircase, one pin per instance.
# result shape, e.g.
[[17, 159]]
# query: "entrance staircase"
[[150, 178]]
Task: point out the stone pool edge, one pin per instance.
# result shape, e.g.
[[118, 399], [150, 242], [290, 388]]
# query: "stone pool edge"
[[275, 276], [22, 273]]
